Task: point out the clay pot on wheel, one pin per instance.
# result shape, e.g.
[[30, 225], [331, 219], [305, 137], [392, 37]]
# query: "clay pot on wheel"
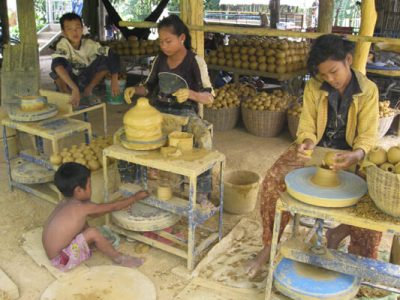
[[325, 177]]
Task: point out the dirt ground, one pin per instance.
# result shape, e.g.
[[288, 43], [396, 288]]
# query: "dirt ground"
[[21, 212]]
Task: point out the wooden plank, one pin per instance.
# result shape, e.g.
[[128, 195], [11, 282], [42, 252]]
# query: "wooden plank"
[[280, 77], [27, 22], [137, 236], [62, 100], [370, 269], [266, 32], [33, 247], [178, 166], [41, 191], [175, 205], [8, 289], [341, 215]]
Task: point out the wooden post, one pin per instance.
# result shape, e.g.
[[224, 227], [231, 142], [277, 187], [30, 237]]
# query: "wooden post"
[[26, 21], [192, 13], [368, 20], [4, 22], [325, 16], [274, 12], [20, 74]]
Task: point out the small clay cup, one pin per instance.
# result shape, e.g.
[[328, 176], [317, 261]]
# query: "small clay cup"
[[325, 177]]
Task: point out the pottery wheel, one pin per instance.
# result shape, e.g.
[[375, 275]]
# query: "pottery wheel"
[[26, 172], [16, 114], [142, 217], [302, 281], [137, 145], [347, 193], [102, 283]]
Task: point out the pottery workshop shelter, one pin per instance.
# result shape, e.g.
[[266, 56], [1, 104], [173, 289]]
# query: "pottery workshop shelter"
[[186, 243]]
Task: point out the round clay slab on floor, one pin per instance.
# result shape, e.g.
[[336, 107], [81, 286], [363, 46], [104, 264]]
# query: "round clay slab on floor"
[[347, 193], [103, 283], [302, 281], [142, 217], [26, 172]]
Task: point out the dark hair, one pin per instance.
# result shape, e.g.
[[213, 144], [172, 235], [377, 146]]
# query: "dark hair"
[[328, 46], [69, 17], [69, 176], [178, 27]]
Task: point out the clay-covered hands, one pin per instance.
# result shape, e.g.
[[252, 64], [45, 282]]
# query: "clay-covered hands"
[[182, 95], [128, 94], [346, 159], [305, 149], [114, 87]]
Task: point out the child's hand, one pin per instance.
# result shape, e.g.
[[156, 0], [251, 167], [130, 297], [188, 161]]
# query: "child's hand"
[[182, 95], [128, 94], [114, 87], [141, 195], [75, 98]]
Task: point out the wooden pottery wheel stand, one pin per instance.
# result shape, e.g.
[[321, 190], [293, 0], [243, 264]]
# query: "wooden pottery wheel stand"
[[304, 198]]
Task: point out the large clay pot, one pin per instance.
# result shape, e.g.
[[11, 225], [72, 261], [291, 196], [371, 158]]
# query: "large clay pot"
[[143, 122]]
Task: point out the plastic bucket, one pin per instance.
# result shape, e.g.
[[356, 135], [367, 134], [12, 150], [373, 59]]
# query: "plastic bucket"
[[116, 99], [241, 191]]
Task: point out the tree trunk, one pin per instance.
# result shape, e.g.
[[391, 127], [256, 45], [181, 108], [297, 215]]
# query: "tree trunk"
[[274, 12], [325, 16]]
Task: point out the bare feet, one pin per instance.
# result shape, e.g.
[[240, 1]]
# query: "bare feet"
[[129, 261], [335, 235], [254, 266]]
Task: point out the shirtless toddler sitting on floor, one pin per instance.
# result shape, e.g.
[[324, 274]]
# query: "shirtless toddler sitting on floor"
[[66, 235]]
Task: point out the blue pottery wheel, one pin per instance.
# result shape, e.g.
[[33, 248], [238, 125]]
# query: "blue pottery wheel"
[[301, 281], [347, 193]]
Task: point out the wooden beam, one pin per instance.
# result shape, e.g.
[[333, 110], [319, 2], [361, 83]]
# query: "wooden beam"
[[325, 16], [368, 20], [267, 32]]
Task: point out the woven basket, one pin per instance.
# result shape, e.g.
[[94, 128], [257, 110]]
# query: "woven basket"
[[384, 125], [384, 190], [263, 123], [222, 118], [293, 124]]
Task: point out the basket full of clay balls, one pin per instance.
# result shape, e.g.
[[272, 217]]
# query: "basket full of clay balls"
[[386, 116], [265, 114], [293, 117], [223, 113], [383, 179]]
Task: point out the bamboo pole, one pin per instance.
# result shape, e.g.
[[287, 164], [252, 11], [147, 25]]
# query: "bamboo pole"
[[267, 32], [368, 20], [325, 16]]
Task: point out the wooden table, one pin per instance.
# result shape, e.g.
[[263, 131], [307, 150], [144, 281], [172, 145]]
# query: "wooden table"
[[196, 215]]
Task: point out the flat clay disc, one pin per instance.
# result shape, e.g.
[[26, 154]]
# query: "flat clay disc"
[[16, 114], [136, 145], [26, 172], [102, 283], [347, 193], [302, 281], [142, 217]]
